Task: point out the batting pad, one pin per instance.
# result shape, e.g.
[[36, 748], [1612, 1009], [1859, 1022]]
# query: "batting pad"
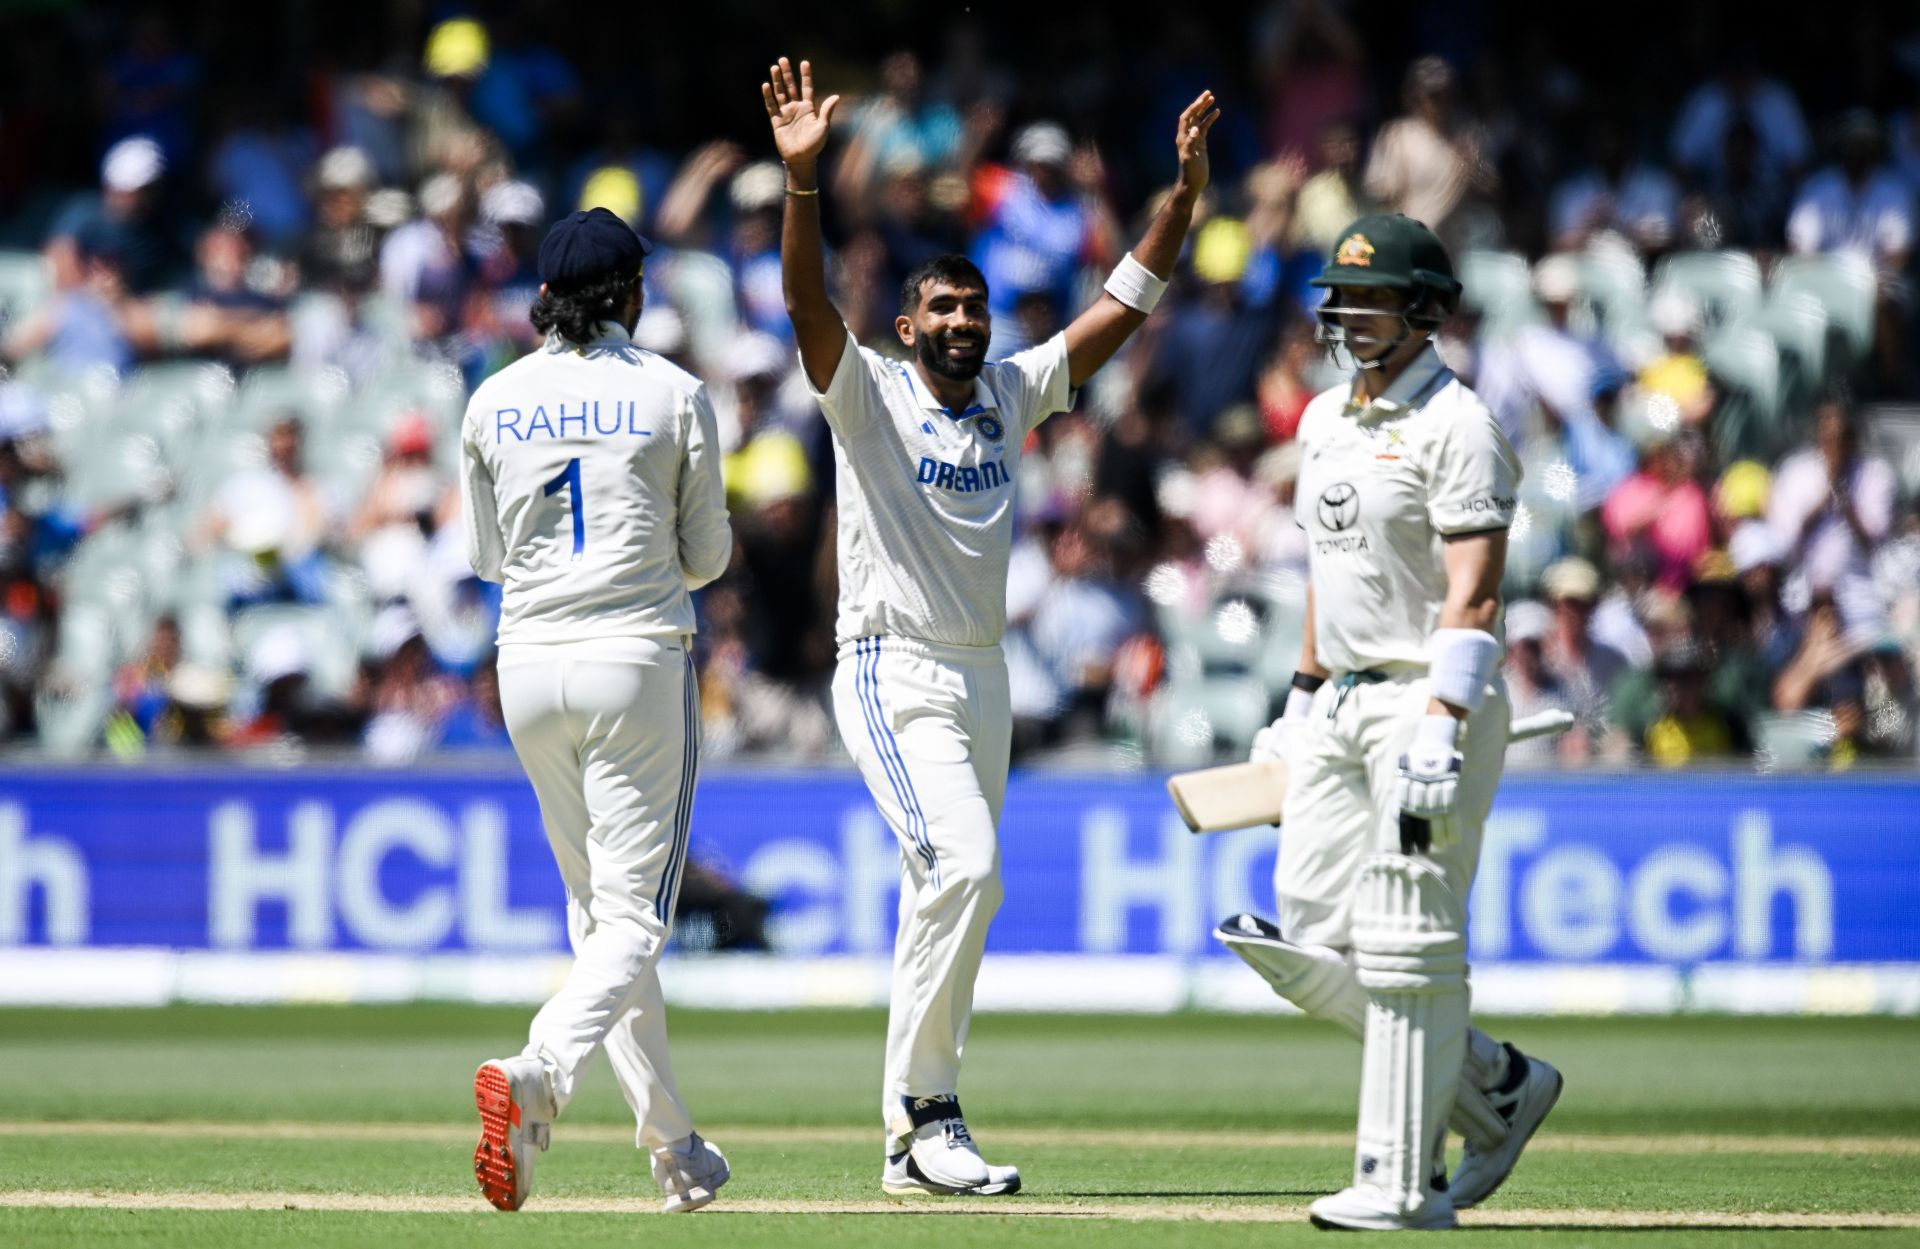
[[1410, 953], [1314, 978]]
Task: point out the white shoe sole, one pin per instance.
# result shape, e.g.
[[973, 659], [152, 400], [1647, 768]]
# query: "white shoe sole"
[[1377, 1221], [1531, 1115], [907, 1184]]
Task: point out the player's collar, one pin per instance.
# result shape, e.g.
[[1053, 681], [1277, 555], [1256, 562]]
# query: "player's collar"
[[1424, 374], [982, 397], [606, 334]]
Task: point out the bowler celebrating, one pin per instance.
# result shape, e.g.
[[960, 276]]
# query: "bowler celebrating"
[[592, 489], [926, 454]]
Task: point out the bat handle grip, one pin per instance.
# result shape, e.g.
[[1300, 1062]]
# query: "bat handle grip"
[[1416, 834]]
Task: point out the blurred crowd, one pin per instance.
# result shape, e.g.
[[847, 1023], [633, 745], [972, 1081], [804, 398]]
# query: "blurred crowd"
[[237, 360]]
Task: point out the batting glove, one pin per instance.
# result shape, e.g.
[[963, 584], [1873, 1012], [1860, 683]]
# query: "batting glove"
[[1276, 741], [1429, 787]]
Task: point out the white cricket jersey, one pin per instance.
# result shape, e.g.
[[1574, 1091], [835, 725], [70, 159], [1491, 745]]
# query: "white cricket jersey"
[[1380, 488], [591, 477], [926, 494]]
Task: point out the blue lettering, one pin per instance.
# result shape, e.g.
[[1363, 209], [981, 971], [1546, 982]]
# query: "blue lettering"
[[540, 421], [633, 416], [944, 479], [501, 425], [927, 469], [596, 419], [969, 480], [580, 416], [989, 475]]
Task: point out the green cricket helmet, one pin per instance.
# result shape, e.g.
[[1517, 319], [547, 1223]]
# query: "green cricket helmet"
[[1394, 252]]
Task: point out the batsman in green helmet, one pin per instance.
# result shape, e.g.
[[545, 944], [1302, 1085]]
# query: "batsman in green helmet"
[[1393, 736], [1389, 284]]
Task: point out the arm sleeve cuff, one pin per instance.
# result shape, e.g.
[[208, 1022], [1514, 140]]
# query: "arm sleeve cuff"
[[1460, 662]]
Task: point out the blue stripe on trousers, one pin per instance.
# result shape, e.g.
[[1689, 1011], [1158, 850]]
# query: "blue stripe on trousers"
[[917, 818], [667, 895]]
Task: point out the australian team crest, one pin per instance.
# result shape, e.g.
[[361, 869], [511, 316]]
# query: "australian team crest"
[[1355, 251], [990, 425]]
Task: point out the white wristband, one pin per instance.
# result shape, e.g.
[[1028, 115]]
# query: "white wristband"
[[1460, 662], [1299, 703], [1134, 285]]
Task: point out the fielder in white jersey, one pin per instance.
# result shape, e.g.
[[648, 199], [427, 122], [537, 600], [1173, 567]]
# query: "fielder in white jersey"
[[927, 451], [593, 494], [1394, 735]]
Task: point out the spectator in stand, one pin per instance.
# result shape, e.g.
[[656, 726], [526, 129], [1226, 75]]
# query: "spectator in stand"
[[149, 88], [1082, 619], [1616, 194], [124, 221], [1533, 688], [1862, 207], [1332, 198], [1210, 349], [1430, 164], [1663, 508], [901, 125], [342, 251], [1830, 506], [226, 318], [1738, 680], [1040, 224], [83, 328], [1739, 205], [1312, 61], [1689, 726], [513, 217], [1674, 384], [259, 164], [140, 687], [1739, 93], [756, 194], [425, 266], [1757, 557], [1583, 667], [1288, 383], [273, 525]]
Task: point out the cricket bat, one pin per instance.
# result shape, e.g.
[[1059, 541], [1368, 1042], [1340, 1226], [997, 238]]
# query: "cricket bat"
[[1237, 795]]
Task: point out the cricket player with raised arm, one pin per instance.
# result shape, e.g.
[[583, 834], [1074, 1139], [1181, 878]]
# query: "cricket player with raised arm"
[[591, 477], [1393, 734], [926, 453]]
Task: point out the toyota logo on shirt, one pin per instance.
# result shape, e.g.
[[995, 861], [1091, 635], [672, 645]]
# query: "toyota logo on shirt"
[[1339, 506]]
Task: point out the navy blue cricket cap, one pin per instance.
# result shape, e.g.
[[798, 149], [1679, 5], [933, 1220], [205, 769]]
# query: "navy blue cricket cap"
[[587, 246]]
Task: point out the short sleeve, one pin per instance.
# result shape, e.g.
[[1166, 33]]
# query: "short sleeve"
[[1045, 385], [852, 397], [1474, 482]]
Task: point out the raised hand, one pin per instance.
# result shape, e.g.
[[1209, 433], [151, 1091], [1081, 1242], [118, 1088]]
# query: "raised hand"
[[799, 128], [1190, 140]]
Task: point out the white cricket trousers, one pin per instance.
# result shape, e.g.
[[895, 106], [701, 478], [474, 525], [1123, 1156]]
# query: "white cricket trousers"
[[609, 733], [1342, 803], [930, 727]]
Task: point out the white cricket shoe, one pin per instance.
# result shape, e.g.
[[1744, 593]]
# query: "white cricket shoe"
[[941, 1158], [1364, 1208], [516, 1112], [690, 1173], [1524, 1106]]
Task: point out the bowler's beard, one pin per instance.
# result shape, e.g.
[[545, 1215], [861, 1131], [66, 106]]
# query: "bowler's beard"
[[932, 350]]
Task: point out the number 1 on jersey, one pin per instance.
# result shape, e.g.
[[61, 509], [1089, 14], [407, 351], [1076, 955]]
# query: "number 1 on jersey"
[[569, 480]]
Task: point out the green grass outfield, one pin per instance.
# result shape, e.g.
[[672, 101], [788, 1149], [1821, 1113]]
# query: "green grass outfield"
[[323, 1125]]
